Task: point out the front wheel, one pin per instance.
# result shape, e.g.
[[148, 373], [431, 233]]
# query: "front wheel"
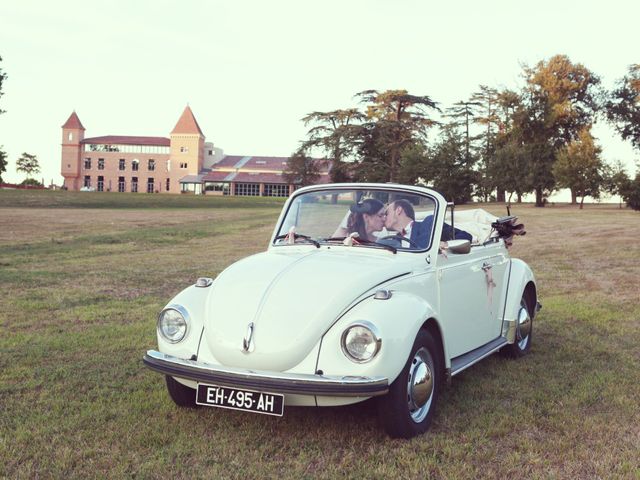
[[181, 395], [408, 409], [524, 331]]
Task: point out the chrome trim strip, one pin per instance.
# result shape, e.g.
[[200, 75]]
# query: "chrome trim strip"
[[464, 361], [279, 382]]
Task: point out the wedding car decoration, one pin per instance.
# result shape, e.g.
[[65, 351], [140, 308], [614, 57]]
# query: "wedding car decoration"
[[365, 290]]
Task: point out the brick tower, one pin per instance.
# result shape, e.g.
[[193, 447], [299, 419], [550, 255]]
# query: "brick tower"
[[187, 148], [72, 135]]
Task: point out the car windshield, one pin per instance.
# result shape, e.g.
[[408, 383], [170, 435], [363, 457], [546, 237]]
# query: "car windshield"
[[364, 217]]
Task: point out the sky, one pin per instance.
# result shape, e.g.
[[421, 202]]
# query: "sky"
[[250, 69]]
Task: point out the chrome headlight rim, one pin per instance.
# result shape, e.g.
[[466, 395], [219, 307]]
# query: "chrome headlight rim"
[[376, 336], [185, 316]]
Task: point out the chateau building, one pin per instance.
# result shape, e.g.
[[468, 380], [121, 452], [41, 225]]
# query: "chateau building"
[[181, 163]]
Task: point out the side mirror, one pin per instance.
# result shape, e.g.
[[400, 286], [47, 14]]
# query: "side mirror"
[[459, 246]]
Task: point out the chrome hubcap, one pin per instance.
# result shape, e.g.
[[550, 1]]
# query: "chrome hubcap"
[[524, 326], [419, 386]]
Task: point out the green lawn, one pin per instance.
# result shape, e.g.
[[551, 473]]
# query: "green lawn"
[[83, 275]]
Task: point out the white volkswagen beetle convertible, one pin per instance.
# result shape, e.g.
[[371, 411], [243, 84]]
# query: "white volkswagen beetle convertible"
[[365, 290]]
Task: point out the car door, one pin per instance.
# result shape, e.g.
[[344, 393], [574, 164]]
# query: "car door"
[[471, 297]]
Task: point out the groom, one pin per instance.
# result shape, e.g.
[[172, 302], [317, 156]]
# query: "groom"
[[401, 217]]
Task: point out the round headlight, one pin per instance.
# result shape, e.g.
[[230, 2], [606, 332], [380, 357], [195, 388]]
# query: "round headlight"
[[361, 342], [172, 323]]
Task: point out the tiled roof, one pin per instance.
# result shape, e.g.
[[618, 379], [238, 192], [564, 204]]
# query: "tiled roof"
[[187, 123], [127, 140], [73, 122], [257, 163], [191, 179], [251, 177]]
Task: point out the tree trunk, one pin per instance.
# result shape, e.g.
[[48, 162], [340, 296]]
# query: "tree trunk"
[[500, 195], [519, 197], [539, 197], [582, 202], [574, 197], [510, 195]]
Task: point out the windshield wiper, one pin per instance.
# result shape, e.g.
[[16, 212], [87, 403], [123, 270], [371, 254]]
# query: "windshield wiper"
[[361, 241], [297, 236]]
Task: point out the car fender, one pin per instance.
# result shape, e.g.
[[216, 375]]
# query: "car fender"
[[520, 276], [193, 300], [397, 321]]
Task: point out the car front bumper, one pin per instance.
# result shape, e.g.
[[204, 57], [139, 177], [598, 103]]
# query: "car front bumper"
[[279, 382]]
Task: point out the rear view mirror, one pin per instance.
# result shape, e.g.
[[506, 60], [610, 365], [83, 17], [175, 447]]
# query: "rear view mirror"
[[459, 246]]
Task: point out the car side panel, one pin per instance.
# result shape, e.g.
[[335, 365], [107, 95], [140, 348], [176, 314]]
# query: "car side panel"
[[521, 275], [398, 320]]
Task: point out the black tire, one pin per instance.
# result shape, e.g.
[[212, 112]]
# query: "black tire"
[[522, 345], [181, 395], [399, 410]]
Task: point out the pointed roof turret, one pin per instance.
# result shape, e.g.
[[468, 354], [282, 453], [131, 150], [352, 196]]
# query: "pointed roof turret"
[[187, 123], [73, 122]]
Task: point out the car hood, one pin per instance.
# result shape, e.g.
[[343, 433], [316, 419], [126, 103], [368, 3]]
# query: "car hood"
[[292, 298]]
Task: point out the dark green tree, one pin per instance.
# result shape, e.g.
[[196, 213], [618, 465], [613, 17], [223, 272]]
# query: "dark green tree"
[[462, 115], [3, 162], [631, 193], [623, 106], [301, 170], [28, 164], [615, 179], [396, 119], [334, 134], [448, 170]]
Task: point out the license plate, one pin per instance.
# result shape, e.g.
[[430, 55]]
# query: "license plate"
[[246, 400]]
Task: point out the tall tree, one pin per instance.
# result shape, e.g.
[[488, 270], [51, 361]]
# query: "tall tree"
[[579, 166], [631, 193], [560, 99], [3, 77], [396, 120], [3, 162], [28, 164], [448, 169], [486, 104], [463, 113], [301, 170], [623, 106], [616, 179], [333, 133]]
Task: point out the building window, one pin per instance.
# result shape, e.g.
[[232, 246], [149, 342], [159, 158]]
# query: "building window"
[[101, 183], [150, 185], [210, 152], [87, 163], [247, 189], [122, 164], [168, 184], [276, 190], [87, 181], [121, 184], [222, 187], [151, 166], [101, 164], [70, 136], [135, 164], [134, 184], [183, 165], [184, 149]]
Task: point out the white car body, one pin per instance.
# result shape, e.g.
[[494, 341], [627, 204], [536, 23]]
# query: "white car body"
[[298, 299]]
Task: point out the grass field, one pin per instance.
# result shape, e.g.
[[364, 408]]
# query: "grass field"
[[81, 288]]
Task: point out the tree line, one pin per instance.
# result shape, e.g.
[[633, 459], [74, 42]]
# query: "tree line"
[[494, 145]]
